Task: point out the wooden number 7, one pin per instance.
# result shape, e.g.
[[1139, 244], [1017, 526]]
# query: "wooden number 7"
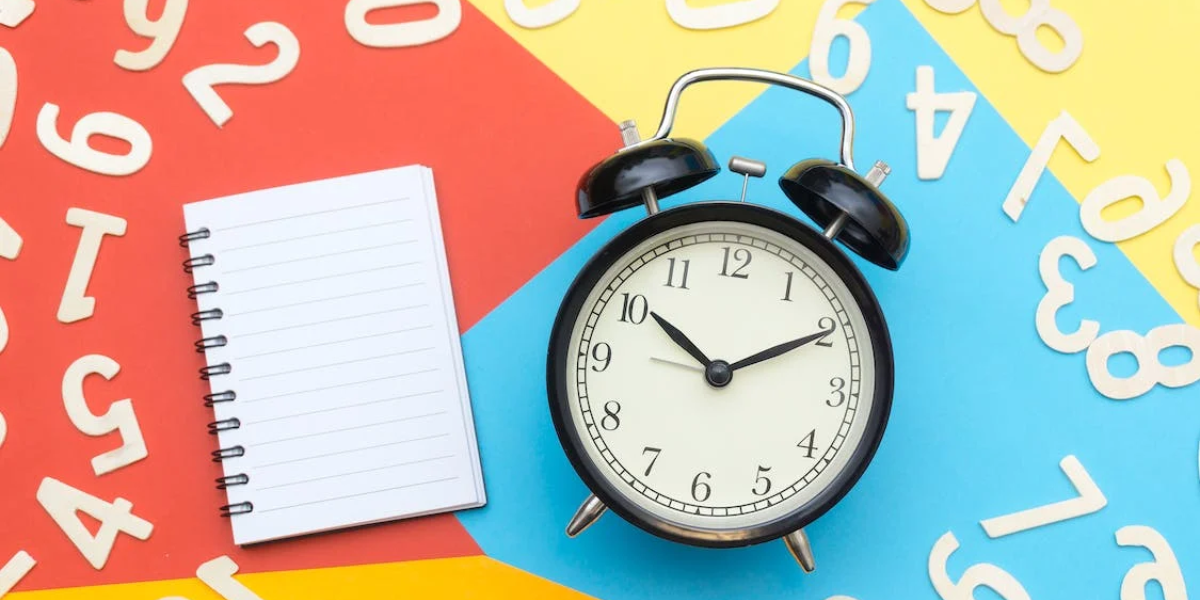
[[1090, 500], [1063, 127]]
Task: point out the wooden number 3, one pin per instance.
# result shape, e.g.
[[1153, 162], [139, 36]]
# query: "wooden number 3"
[[200, 82]]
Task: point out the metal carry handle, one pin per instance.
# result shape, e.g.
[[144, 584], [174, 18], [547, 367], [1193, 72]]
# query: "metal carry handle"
[[760, 76]]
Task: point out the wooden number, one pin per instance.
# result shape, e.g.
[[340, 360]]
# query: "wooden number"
[[74, 305], [3, 430], [979, 575], [933, 152], [163, 33], [951, 7], [1024, 27], [1059, 293], [1150, 371], [8, 97], [13, 13], [1090, 500], [62, 502], [119, 417], [1063, 127], [829, 27], [218, 574], [77, 151], [398, 35], [10, 241], [1165, 568], [200, 82], [3, 330], [14, 571], [542, 16], [1185, 256], [729, 14], [1153, 212]]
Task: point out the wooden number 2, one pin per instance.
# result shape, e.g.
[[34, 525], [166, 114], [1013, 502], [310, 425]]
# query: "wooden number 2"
[[200, 81], [119, 417], [163, 33], [398, 35], [1090, 500]]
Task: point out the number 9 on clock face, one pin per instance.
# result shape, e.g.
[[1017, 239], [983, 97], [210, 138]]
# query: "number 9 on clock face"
[[720, 374]]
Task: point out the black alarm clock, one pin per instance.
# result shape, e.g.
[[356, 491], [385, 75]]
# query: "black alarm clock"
[[720, 373]]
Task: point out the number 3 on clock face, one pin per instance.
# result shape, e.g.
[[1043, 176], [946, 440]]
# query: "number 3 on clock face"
[[720, 374]]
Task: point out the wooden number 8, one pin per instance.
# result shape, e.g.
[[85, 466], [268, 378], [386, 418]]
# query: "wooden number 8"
[[1024, 27], [1146, 349]]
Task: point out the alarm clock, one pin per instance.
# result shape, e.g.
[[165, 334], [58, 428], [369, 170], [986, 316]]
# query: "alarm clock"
[[720, 374]]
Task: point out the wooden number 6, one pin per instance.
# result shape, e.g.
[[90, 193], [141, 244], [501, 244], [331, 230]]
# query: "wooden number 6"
[[200, 82], [397, 35]]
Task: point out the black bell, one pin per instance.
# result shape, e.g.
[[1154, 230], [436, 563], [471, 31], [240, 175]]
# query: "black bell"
[[667, 166], [825, 190]]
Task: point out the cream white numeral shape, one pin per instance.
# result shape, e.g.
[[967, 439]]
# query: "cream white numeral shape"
[[1150, 371], [933, 152], [951, 7], [398, 35], [1064, 127], [14, 571], [978, 575], [200, 82], [162, 33], [119, 417], [77, 151], [218, 574], [1165, 568], [75, 305], [8, 93], [1060, 292], [729, 14], [829, 27], [1154, 211], [1024, 28], [542, 16], [3, 423], [62, 502], [1185, 256], [10, 241], [1090, 500], [13, 13]]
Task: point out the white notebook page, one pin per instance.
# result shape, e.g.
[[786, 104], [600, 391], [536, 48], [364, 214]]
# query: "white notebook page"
[[344, 353]]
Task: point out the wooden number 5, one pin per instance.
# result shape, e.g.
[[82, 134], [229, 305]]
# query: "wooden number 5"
[[200, 82], [980, 575], [119, 417]]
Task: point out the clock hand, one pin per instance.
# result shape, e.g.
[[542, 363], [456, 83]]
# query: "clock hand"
[[678, 364], [774, 351], [677, 336]]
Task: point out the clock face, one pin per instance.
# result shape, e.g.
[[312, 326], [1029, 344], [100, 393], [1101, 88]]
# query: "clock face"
[[723, 379]]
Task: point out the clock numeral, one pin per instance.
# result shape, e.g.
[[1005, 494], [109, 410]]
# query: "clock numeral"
[[687, 263], [611, 421], [656, 452], [827, 326], [697, 486], [634, 309], [787, 292], [762, 480], [596, 355], [741, 255], [839, 385], [809, 444]]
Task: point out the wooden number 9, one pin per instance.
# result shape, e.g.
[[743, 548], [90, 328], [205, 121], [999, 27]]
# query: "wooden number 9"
[[79, 153], [1154, 211], [163, 32], [1146, 349], [1059, 293]]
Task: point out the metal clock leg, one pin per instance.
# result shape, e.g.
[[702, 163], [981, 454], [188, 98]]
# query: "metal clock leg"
[[588, 513], [797, 544]]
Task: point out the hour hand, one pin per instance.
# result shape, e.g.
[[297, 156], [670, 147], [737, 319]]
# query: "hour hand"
[[679, 338]]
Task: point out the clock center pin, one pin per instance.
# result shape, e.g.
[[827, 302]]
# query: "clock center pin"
[[718, 373]]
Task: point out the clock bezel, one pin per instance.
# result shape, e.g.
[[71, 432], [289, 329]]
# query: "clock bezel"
[[561, 356]]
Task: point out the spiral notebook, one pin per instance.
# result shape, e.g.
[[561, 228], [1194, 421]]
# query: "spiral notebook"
[[333, 357]]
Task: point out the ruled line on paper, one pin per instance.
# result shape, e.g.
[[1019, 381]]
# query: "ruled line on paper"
[[333, 343], [313, 235], [321, 278], [228, 315], [351, 451], [342, 407], [390, 489], [337, 364], [340, 385], [345, 429], [310, 214], [335, 476], [320, 256], [347, 318]]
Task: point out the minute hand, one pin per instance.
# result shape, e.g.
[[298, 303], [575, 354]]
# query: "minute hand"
[[774, 351]]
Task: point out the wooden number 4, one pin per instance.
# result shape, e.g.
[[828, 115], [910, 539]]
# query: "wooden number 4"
[[62, 502], [1090, 500], [933, 152]]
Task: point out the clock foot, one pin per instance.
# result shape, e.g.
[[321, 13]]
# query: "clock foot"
[[588, 513], [797, 544]]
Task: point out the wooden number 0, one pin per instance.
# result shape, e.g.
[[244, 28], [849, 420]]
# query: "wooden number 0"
[[398, 35], [200, 81]]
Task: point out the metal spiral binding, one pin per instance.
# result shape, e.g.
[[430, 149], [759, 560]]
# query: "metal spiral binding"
[[211, 400], [241, 508], [232, 480], [207, 315], [224, 425], [204, 260], [227, 453], [211, 371], [191, 236], [203, 288], [211, 342]]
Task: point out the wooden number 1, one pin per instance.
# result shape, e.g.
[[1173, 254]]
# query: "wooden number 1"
[[1090, 500], [1063, 127]]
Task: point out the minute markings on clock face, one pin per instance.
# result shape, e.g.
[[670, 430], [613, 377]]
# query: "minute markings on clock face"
[[686, 447]]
